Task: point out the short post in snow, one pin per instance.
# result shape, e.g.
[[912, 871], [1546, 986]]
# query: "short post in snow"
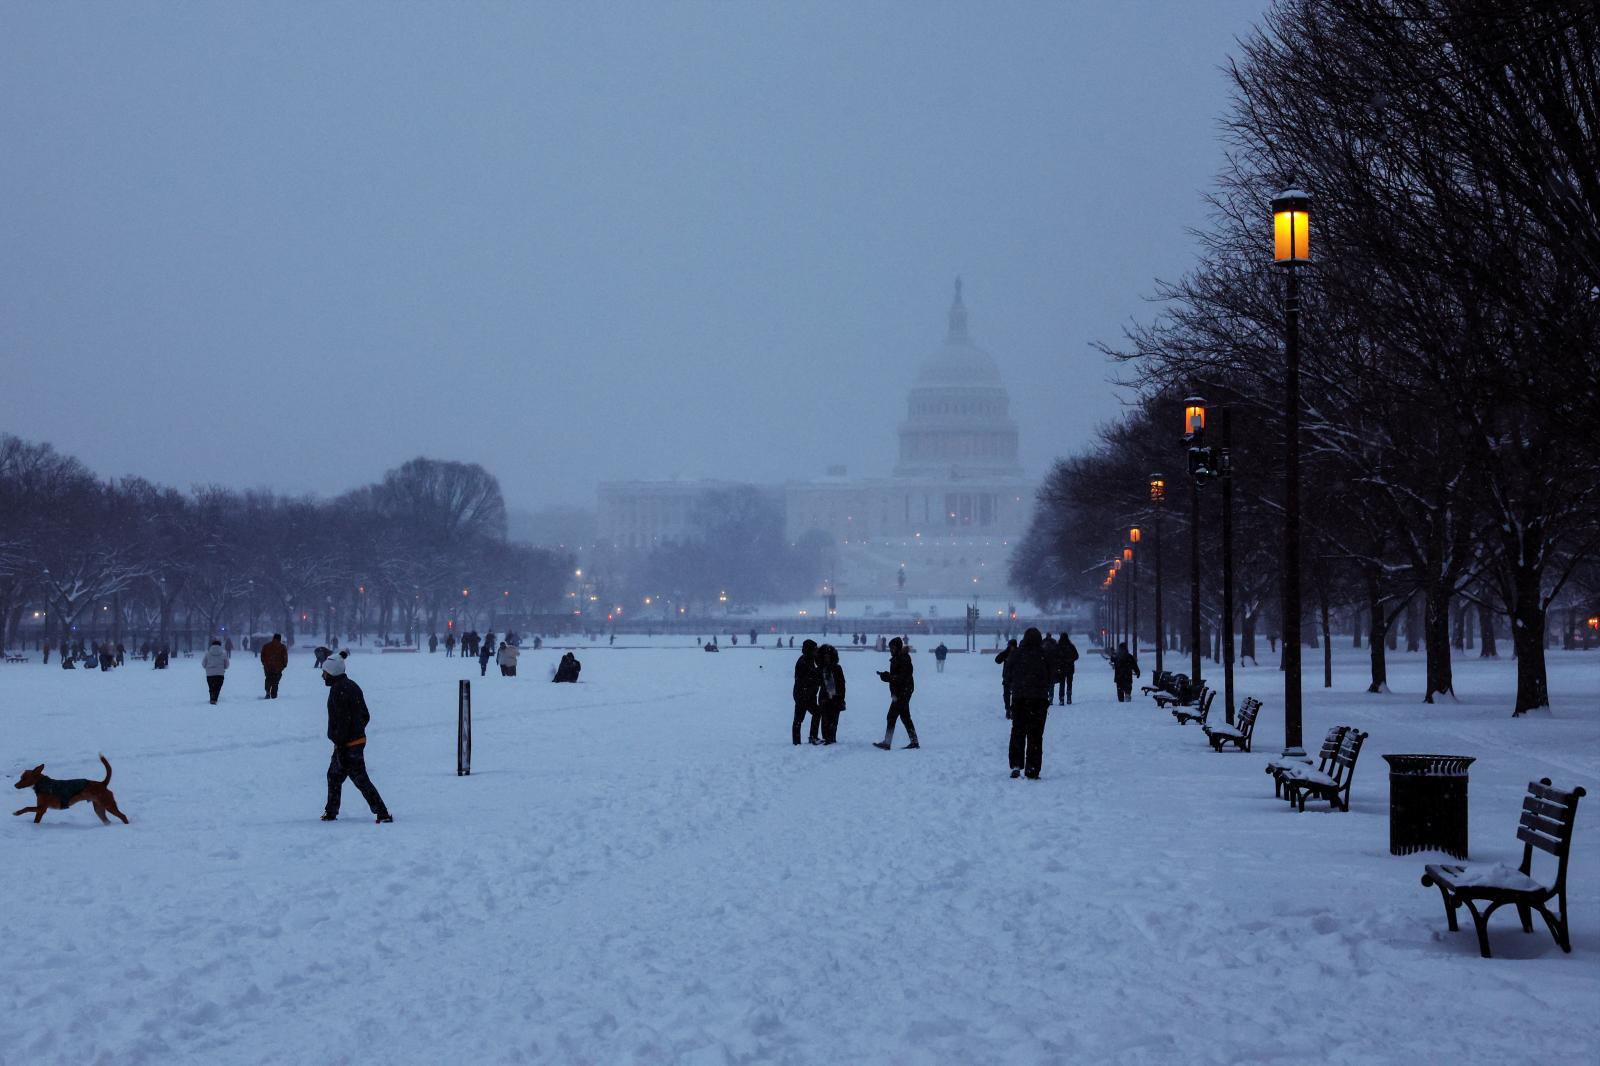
[[464, 729]]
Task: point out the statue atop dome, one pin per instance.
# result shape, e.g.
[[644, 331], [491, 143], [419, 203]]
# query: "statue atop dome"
[[958, 317]]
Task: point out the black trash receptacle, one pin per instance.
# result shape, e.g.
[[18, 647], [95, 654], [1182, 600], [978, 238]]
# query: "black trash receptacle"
[[1428, 803]]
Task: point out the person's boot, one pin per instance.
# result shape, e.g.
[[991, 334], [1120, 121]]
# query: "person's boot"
[[913, 743], [326, 817], [384, 817], [1015, 773]]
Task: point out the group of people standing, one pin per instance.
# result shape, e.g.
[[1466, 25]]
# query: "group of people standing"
[[1061, 662], [819, 691]]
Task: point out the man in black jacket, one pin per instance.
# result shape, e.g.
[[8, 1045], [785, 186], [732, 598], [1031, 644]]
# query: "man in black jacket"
[[347, 728], [1030, 703], [807, 677], [901, 686]]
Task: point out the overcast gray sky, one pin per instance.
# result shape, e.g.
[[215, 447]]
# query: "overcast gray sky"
[[293, 245]]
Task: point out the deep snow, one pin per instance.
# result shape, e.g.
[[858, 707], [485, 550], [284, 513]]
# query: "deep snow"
[[642, 869]]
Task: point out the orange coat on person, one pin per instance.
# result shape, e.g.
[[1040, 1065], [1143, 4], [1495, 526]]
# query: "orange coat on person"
[[274, 657]]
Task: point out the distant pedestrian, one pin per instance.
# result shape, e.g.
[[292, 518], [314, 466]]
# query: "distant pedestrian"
[[320, 655], [938, 656], [567, 669], [506, 658], [347, 728], [807, 678], [1030, 703], [47, 653], [830, 692], [1004, 659], [122, 654], [1066, 666], [1124, 669], [449, 645], [433, 643], [484, 655], [274, 661], [215, 663], [1051, 658], [901, 685]]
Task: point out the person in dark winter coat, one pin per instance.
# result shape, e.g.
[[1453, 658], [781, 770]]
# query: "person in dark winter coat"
[[938, 656], [830, 691], [901, 685], [806, 680], [274, 661], [567, 669], [347, 728], [1004, 659], [1124, 669], [1066, 666], [1052, 658], [320, 655], [1030, 703], [449, 645], [433, 643]]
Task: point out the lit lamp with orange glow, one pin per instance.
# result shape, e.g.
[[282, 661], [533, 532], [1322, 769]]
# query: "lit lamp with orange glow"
[[1291, 228], [1194, 418], [1133, 535], [1158, 497]]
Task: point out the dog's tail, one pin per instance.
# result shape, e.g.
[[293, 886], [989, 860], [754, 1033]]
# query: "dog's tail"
[[107, 781]]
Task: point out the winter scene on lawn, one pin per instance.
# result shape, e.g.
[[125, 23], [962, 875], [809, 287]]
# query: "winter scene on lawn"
[[800, 533]]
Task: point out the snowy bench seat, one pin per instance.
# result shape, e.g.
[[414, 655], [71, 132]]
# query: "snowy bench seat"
[[1546, 822], [1238, 734], [1333, 784], [1284, 764], [1198, 711]]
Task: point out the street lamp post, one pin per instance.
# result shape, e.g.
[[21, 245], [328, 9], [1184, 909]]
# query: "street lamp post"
[[1130, 603], [1194, 422], [1291, 222], [1134, 534], [1225, 464], [1158, 498]]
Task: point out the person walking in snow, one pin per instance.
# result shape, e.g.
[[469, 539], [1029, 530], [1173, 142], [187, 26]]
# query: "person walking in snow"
[[1124, 669], [807, 678], [506, 659], [901, 685], [274, 661], [449, 645], [830, 691], [215, 663], [433, 643], [1004, 659], [1066, 666], [347, 728], [320, 655], [1030, 703], [1051, 658], [485, 653], [938, 656]]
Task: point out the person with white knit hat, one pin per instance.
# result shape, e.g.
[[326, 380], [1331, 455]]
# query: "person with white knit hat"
[[347, 728]]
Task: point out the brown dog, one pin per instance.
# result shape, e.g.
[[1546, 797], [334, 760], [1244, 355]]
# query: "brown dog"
[[59, 795]]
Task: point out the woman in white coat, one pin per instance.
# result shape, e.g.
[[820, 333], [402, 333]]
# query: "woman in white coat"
[[216, 664], [507, 658]]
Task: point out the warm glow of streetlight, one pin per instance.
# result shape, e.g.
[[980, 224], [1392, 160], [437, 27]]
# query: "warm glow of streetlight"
[[1158, 488], [1291, 228], [1127, 555], [1134, 534], [1194, 416]]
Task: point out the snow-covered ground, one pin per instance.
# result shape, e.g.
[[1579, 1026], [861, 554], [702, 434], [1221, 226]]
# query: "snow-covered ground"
[[642, 869]]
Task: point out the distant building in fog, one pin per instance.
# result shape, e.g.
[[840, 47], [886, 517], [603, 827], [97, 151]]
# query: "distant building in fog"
[[950, 513]]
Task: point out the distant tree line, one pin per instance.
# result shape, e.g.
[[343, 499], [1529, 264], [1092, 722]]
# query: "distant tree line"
[[421, 550], [1450, 340]]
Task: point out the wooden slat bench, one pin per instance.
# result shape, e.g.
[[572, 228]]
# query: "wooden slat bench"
[[1179, 697], [1324, 763], [16, 658], [1334, 785], [1240, 732], [1183, 715], [1546, 823]]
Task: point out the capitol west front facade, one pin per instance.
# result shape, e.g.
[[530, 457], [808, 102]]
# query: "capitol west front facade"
[[950, 513]]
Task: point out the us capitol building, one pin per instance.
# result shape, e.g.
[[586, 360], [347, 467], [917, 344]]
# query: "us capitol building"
[[950, 513]]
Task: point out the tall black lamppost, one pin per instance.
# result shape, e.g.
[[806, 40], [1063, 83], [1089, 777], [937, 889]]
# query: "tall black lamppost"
[[1291, 223], [1194, 424], [1130, 605], [1158, 497], [1224, 467], [1133, 555]]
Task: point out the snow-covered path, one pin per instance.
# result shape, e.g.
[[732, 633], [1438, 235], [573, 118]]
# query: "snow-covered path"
[[642, 869]]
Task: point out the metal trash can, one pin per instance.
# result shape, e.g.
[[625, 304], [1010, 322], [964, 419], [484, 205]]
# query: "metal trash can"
[[1428, 803]]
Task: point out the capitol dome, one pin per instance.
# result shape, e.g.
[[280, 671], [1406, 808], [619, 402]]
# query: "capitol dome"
[[958, 414]]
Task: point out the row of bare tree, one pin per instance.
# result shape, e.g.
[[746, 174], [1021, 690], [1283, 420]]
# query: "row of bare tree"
[[1450, 331], [422, 548]]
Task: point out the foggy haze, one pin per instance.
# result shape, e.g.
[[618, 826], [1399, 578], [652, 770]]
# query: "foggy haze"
[[294, 246]]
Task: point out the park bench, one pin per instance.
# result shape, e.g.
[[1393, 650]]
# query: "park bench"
[[1332, 785], [16, 658], [1160, 681], [1183, 714], [1240, 732], [1546, 823], [1330, 748], [1179, 693]]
